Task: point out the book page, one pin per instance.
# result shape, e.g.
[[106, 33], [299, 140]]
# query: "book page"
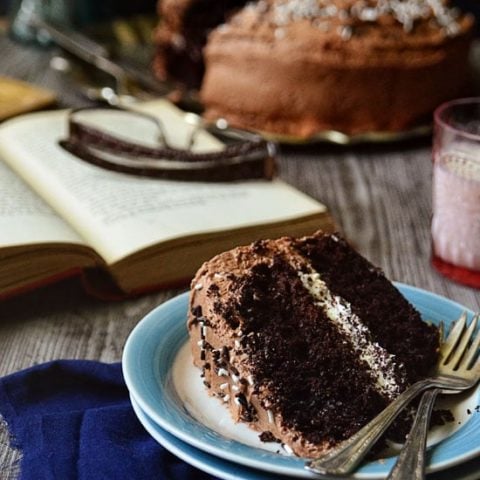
[[25, 219], [119, 214]]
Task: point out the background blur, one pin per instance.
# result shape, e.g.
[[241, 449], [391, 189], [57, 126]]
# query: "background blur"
[[102, 9], [107, 8]]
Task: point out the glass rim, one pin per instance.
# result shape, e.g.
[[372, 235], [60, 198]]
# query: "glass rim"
[[437, 116]]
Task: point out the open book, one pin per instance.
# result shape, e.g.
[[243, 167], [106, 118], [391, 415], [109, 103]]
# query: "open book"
[[60, 216]]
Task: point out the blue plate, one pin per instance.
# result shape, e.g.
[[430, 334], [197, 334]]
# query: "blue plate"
[[149, 356], [232, 471], [203, 461]]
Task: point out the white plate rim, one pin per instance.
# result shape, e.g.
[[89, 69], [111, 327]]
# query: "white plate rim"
[[194, 458]]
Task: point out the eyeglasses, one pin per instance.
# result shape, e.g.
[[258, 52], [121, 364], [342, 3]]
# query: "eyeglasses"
[[136, 143]]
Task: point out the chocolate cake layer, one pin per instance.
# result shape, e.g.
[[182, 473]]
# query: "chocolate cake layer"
[[392, 321], [293, 357], [299, 67]]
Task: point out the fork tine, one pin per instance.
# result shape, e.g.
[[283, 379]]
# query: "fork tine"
[[473, 350], [462, 346], [476, 369], [452, 339], [441, 330]]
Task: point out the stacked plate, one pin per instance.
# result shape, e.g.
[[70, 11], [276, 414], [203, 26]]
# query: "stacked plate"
[[171, 402]]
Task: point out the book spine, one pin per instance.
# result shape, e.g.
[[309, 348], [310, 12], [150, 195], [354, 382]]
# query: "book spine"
[[9, 293]]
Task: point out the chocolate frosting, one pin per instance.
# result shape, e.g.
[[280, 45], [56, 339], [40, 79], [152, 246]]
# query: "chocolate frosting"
[[283, 67]]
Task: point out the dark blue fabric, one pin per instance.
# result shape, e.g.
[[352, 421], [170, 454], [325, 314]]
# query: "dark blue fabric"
[[72, 419]]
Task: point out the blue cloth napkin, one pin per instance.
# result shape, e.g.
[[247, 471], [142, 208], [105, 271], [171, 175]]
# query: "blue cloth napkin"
[[72, 419]]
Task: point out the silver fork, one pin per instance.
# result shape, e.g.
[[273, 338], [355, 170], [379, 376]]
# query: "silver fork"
[[411, 460], [451, 375]]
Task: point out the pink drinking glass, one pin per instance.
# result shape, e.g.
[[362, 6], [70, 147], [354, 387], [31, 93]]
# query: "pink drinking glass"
[[456, 191]]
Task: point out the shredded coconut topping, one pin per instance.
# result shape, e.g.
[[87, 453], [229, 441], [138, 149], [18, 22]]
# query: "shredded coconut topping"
[[405, 12], [270, 416], [382, 364]]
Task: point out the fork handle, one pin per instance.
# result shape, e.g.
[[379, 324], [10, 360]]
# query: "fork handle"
[[411, 460], [344, 458]]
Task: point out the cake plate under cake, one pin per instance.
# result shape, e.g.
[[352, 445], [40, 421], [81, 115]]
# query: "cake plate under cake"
[[340, 138], [325, 136]]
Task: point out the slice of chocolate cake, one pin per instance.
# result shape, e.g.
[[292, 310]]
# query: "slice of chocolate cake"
[[304, 339]]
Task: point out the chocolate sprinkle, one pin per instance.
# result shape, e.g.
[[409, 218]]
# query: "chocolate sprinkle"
[[267, 437]]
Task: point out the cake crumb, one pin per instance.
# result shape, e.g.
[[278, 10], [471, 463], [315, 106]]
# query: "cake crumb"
[[267, 437]]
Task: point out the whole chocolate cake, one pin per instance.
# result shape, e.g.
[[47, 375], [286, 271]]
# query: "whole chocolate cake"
[[297, 67], [304, 339]]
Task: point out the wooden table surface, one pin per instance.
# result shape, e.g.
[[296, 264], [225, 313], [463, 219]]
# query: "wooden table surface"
[[380, 196]]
